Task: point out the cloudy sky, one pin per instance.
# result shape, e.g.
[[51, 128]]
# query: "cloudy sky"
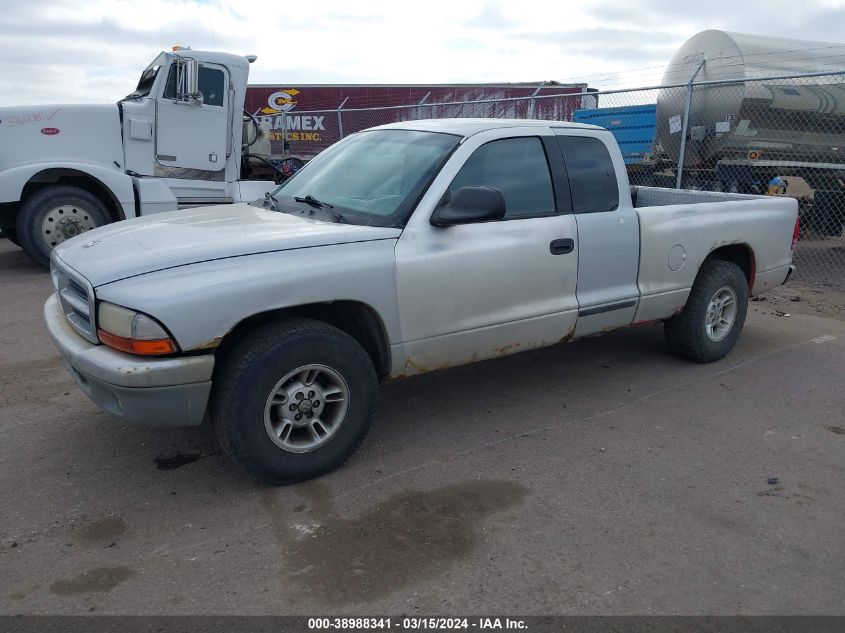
[[61, 51]]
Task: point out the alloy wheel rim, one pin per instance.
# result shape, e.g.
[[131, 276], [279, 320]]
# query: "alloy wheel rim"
[[306, 408], [721, 314]]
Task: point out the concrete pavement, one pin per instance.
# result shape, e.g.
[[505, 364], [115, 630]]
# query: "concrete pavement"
[[599, 477]]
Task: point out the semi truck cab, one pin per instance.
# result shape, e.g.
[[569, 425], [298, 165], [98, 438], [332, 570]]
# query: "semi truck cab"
[[179, 140]]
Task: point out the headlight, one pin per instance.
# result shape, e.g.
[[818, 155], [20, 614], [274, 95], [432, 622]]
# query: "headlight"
[[133, 332]]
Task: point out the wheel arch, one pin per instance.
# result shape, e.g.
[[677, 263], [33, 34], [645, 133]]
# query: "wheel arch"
[[740, 254], [113, 187], [355, 318], [75, 178]]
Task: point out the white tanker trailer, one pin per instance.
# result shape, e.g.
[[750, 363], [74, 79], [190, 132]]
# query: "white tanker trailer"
[[740, 134]]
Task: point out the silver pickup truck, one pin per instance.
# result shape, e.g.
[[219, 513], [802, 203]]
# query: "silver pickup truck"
[[400, 250]]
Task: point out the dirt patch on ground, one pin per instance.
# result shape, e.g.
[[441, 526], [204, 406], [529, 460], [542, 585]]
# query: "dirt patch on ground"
[[798, 298], [404, 539], [100, 580]]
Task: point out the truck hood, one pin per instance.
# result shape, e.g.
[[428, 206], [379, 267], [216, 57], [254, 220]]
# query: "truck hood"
[[166, 240], [61, 133]]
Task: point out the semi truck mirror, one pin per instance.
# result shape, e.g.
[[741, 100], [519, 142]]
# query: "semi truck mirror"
[[187, 81]]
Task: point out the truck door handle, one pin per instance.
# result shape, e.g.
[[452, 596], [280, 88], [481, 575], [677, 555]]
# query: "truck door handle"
[[562, 247]]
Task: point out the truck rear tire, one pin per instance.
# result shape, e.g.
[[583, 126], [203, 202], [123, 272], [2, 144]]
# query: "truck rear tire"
[[55, 214], [293, 400], [712, 319]]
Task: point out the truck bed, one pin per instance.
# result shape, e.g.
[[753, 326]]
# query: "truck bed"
[[659, 197], [685, 227]]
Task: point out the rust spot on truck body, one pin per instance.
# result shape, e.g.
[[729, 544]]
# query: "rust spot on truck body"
[[646, 322], [412, 366], [504, 350], [213, 343], [568, 336], [720, 243]]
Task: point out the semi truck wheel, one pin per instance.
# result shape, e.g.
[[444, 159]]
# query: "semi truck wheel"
[[712, 319], [55, 214], [293, 400]]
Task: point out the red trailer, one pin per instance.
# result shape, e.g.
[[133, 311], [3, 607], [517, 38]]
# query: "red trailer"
[[312, 117]]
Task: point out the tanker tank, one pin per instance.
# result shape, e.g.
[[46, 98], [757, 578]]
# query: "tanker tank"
[[797, 121]]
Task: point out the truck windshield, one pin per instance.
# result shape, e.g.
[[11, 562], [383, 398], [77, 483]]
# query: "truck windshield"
[[148, 77], [373, 178]]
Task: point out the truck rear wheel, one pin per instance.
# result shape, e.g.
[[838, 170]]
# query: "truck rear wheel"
[[293, 400], [713, 316], [55, 214]]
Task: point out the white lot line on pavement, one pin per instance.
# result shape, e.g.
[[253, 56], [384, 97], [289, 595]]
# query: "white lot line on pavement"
[[824, 338]]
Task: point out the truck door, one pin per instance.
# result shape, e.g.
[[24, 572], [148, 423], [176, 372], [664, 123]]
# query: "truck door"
[[191, 139], [474, 291], [608, 233]]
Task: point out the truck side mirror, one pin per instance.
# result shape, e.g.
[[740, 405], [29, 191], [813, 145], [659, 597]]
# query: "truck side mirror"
[[470, 204], [187, 81]]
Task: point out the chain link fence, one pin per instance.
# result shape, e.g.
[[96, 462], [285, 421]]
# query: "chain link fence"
[[778, 136]]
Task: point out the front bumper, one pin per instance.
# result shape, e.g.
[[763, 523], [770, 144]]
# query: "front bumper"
[[146, 391]]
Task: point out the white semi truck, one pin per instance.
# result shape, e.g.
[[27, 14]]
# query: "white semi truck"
[[181, 139]]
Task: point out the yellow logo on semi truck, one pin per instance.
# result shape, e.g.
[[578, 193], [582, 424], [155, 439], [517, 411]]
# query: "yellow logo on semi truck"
[[285, 126]]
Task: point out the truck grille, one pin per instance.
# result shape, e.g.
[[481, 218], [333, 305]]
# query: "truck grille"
[[76, 297]]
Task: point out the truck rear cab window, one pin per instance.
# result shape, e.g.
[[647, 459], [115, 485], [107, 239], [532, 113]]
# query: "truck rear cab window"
[[518, 168], [211, 82], [592, 177]]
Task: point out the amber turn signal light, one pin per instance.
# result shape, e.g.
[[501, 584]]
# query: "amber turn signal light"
[[133, 346]]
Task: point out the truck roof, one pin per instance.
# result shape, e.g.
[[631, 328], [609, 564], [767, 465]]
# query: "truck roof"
[[469, 127], [214, 57]]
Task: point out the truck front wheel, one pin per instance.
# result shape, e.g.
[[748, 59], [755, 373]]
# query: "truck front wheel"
[[293, 400], [712, 319], [55, 214]]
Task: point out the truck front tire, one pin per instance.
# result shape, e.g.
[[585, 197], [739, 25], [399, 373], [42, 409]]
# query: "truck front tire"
[[712, 319], [55, 214], [293, 400]]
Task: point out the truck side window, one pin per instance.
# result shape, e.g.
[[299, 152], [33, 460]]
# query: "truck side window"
[[211, 86], [170, 86], [592, 177], [518, 168], [211, 83]]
